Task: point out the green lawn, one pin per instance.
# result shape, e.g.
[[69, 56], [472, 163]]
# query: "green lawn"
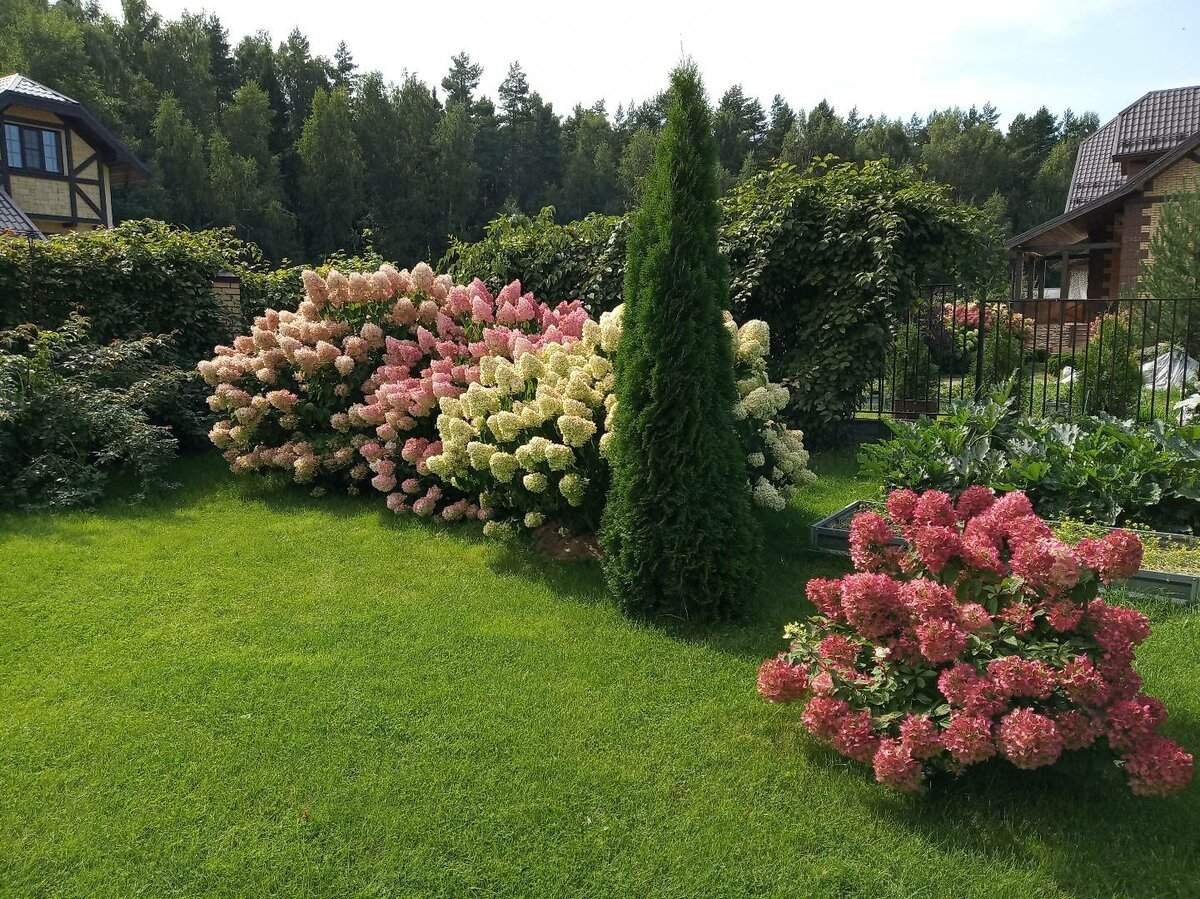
[[242, 692]]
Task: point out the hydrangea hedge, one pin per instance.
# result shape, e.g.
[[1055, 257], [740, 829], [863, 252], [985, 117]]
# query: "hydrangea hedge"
[[967, 632], [453, 401]]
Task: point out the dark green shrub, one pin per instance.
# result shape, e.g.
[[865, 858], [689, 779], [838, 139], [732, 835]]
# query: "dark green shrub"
[[73, 414], [582, 260], [140, 278], [910, 369], [678, 534]]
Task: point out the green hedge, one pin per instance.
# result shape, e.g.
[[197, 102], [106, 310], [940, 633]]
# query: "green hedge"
[[582, 260], [829, 258], [140, 278]]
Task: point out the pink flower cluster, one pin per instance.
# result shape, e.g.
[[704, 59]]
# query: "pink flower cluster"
[[345, 388], [988, 633]]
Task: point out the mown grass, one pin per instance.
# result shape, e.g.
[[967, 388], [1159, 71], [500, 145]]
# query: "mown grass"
[[236, 691]]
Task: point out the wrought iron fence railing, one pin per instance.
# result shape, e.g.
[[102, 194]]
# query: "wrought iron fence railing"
[[1131, 357]]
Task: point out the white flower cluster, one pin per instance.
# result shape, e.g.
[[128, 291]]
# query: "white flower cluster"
[[532, 434], [776, 458], [524, 434]]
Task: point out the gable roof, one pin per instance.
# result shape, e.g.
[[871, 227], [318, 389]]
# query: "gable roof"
[[1134, 182], [13, 219], [1154, 123], [18, 89]]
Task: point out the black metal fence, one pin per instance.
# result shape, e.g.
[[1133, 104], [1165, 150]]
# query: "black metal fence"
[[1133, 358]]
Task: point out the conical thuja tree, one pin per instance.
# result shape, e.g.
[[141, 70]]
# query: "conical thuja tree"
[[678, 535]]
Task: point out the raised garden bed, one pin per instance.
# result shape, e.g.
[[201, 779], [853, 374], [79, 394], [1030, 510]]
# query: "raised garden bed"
[[1170, 569]]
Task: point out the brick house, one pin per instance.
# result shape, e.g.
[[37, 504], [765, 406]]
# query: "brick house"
[[1123, 173], [57, 162]]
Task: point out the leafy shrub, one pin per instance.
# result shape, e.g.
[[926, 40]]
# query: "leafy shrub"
[[347, 385], [140, 278], [826, 258], [584, 259], [530, 438], [1110, 371], [1006, 356], [73, 414], [982, 637], [678, 536], [1095, 468]]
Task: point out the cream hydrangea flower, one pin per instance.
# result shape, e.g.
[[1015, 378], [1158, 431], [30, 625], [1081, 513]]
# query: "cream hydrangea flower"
[[576, 431], [535, 482], [503, 466]]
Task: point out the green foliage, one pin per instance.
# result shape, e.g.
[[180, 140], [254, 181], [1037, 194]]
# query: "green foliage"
[[678, 535], [1109, 368], [910, 366], [331, 187], [582, 260], [73, 414], [1099, 469], [128, 66], [139, 278], [827, 259], [828, 262], [1174, 267]]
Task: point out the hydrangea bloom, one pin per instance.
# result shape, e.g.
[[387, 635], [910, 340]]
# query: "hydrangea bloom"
[[346, 388], [531, 431], [968, 632]]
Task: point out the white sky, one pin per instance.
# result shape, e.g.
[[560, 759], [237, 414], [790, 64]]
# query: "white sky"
[[893, 57]]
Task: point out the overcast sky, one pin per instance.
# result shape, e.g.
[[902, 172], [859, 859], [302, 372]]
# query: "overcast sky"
[[891, 56]]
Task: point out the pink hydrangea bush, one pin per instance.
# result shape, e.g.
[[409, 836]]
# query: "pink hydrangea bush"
[[968, 631], [345, 388]]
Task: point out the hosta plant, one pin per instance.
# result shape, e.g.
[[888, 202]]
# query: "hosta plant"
[[981, 635], [344, 389], [530, 437]]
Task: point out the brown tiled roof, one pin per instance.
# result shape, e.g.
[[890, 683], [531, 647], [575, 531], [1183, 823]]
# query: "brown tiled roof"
[[1159, 121], [1096, 173], [1150, 126], [13, 219]]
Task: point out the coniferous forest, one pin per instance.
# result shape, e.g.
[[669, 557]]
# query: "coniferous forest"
[[306, 155]]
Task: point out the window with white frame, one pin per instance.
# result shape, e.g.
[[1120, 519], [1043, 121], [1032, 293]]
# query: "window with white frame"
[[32, 148]]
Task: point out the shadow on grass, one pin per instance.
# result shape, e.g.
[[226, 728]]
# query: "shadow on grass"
[[578, 580], [1077, 820]]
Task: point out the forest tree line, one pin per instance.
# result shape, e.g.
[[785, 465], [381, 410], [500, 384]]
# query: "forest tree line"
[[302, 154]]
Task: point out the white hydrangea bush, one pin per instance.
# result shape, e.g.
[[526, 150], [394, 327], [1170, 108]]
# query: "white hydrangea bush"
[[529, 438]]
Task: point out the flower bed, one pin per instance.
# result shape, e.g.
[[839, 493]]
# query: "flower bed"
[[981, 636], [451, 401]]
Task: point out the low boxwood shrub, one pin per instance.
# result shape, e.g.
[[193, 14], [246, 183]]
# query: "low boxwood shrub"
[[1095, 468], [74, 414], [982, 637]]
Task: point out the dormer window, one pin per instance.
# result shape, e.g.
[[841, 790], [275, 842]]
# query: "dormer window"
[[33, 149]]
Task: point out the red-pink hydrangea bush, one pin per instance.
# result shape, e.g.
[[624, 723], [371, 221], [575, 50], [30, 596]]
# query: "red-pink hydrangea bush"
[[344, 389], [968, 631]]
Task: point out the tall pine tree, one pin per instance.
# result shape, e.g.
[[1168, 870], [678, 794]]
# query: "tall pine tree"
[[678, 534], [330, 175]]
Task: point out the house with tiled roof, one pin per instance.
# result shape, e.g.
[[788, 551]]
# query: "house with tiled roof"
[[1123, 174], [58, 162]]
